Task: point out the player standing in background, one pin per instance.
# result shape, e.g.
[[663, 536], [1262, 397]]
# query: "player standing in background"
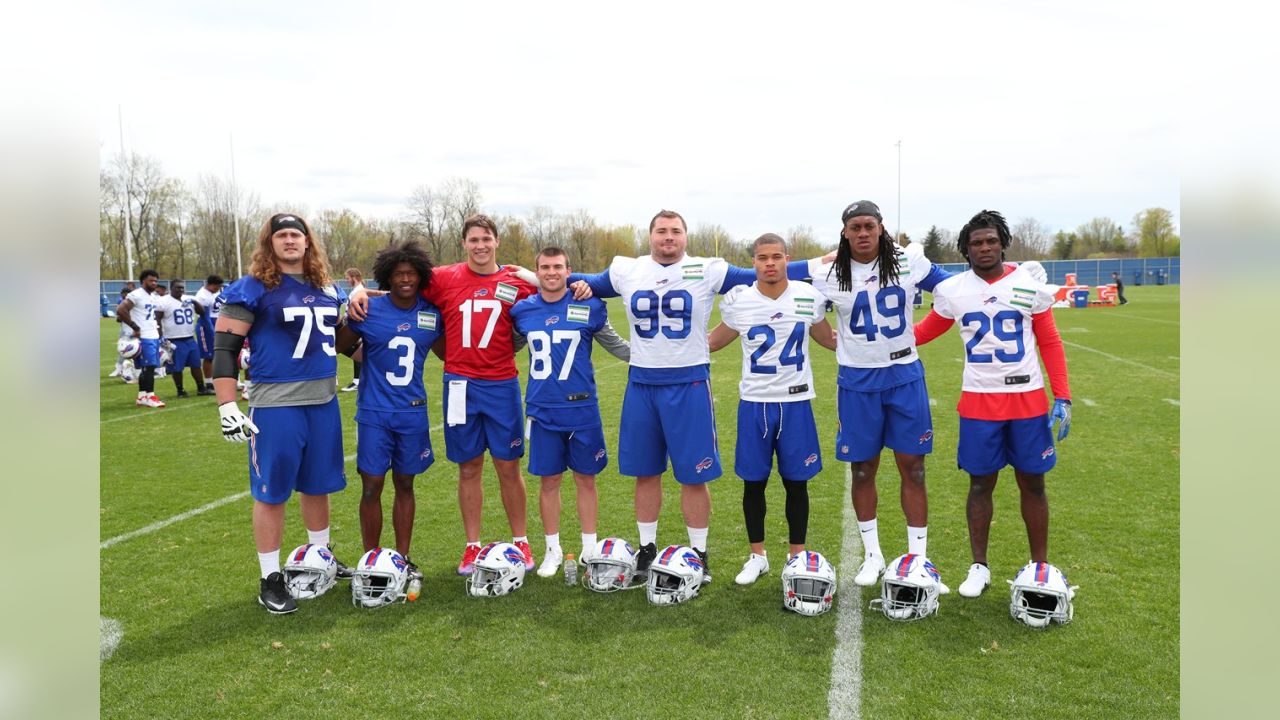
[[563, 407], [288, 308], [179, 317], [1006, 323], [667, 410], [137, 311], [481, 383], [775, 319], [882, 400], [392, 420], [354, 279], [209, 297]]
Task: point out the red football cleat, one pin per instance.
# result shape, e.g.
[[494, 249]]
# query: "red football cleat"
[[523, 546], [468, 564]]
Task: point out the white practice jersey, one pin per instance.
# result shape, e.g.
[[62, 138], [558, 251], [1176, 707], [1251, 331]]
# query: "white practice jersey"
[[179, 316], [210, 302], [143, 313], [668, 307], [874, 323], [776, 363], [995, 324]]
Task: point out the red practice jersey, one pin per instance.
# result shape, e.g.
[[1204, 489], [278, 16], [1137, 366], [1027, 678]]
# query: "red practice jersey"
[[476, 310]]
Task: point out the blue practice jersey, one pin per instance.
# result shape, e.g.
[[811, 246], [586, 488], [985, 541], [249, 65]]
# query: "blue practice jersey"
[[561, 391], [396, 343], [293, 328]]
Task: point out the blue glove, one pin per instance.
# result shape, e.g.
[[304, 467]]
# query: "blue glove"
[[1061, 411]]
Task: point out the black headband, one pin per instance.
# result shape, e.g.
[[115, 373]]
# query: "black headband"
[[861, 207], [280, 222]]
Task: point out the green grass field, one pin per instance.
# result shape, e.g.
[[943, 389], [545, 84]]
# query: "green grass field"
[[195, 643]]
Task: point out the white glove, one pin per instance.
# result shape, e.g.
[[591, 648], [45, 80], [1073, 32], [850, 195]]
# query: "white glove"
[[236, 426]]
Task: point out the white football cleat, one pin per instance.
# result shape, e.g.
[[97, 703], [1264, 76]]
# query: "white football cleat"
[[752, 569], [114, 373], [551, 562], [869, 573], [150, 401], [977, 581]]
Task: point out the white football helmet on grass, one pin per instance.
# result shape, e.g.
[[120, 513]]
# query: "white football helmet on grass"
[[610, 566], [379, 578], [675, 576], [310, 571], [1040, 595], [909, 589], [808, 583], [499, 570]]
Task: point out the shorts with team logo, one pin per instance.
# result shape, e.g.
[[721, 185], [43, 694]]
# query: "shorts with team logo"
[[552, 451], [296, 448], [897, 418], [397, 441], [186, 354], [785, 429], [986, 446], [495, 421], [149, 356], [676, 421]]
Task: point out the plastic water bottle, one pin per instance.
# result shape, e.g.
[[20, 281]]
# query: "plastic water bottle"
[[415, 588], [570, 570]]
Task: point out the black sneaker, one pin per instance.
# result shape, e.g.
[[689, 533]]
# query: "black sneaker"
[[183, 394], [706, 567], [344, 572], [274, 597], [206, 390], [645, 558]]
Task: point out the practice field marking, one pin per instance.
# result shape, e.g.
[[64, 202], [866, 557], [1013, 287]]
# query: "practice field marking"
[[169, 521], [1143, 318], [1088, 403], [1175, 403], [167, 410], [1126, 361], [844, 699], [110, 633], [933, 402]]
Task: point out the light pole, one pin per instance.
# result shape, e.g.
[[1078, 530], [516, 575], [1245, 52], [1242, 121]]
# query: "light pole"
[[898, 232], [235, 205], [128, 200]]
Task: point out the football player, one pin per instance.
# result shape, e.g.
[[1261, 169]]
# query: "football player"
[[288, 308], [209, 297], [882, 400], [667, 409], [392, 420], [1007, 325], [481, 383], [562, 405], [137, 311], [775, 318], [179, 317]]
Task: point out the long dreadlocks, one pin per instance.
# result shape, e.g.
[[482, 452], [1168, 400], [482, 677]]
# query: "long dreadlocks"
[[886, 252]]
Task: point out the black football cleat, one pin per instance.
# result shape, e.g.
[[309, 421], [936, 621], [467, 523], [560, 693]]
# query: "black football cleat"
[[644, 558], [344, 572], [273, 596], [706, 567]]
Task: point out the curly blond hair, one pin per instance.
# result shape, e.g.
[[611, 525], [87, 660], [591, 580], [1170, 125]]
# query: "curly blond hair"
[[315, 263]]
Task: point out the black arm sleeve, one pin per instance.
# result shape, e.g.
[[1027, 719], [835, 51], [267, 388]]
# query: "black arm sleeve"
[[226, 354]]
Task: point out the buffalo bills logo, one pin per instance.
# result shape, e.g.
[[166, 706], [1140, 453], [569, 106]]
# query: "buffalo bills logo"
[[704, 465], [324, 554], [481, 292], [553, 319], [403, 327], [926, 437], [692, 560], [813, 458], [513, 555], [776, 316], [517, 442], [425, 454], [660, 283], [600, 454], [844, 449], [989, 300], [1047, 452], [870, 280], [309, 299], [398, 560], [933, 571]]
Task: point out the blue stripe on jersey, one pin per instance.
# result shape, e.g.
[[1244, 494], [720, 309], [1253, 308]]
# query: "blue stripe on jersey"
[[293, 328], [554, 331], [935, 276], [396, 344]]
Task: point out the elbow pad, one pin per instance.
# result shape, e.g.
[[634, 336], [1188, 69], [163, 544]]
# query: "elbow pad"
[[226, 354]]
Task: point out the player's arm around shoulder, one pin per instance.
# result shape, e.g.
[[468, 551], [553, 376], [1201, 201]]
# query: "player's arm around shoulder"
[[724, 333]]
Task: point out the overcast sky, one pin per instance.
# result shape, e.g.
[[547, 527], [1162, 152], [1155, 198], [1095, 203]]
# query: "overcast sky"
[[732, 113]]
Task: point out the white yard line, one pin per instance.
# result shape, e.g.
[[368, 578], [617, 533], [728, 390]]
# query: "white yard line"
[[1126, 361], [1175, 403], [1141, 318], [169, 521], [157, 412], [1088, 403], [844, 699], [110, 633]]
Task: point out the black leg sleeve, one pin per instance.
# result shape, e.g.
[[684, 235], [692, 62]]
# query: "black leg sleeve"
[[797, 510], [753, 509]]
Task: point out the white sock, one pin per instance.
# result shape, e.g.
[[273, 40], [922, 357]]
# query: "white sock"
[[525, 539], [318, 537], [648, 532], [143, 393], [269, 562], [553, 542], [473, 544], [698, 538], [870, 538], [917, 540], [588, 543]]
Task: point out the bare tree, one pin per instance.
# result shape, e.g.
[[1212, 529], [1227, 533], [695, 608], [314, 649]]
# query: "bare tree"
[[1030, 240]]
